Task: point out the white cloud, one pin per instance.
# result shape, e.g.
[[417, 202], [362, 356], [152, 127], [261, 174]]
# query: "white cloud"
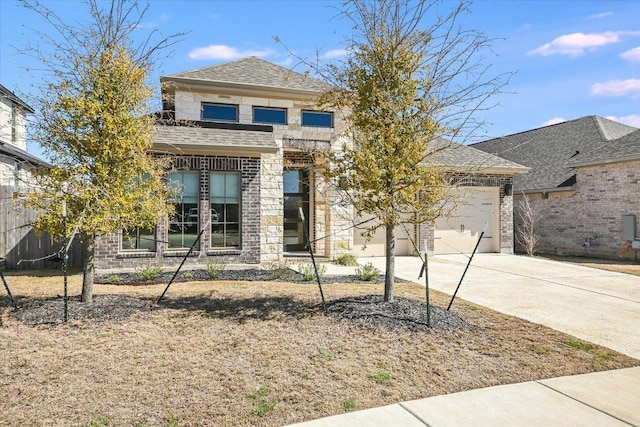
[[554, 121], [631, 120], [632, 55], [577, 43], [335, 53], [629, 87], [220, 51], [601, 15]]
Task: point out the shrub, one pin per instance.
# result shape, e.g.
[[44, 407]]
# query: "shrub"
[[367, 272], [308, 273], [349, 260], [114, 278], [280, 270], [148, 272], [214, 268]]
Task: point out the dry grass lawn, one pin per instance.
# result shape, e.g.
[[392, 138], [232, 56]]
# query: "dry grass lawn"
[[256, 354], [620, 266]]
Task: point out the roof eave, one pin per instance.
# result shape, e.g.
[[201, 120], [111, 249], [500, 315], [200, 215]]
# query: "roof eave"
[[238, 87], [499, 170], [546, 190], [629, 158], [219, 150]]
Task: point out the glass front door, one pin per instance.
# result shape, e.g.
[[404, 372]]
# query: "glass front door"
[[296, 196]]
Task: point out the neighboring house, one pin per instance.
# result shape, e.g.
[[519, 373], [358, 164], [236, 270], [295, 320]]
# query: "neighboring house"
[[15, 162], [18, 241], [584, 178], [239, 136]]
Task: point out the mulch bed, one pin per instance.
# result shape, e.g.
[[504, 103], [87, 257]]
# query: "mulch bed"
[[249, 275], [367, 310]]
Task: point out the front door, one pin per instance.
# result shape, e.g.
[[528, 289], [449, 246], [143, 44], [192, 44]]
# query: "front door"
[[296, 196]]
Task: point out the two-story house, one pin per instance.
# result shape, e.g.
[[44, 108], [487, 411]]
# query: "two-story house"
[[15, 162], [238, 139], [239, 136]]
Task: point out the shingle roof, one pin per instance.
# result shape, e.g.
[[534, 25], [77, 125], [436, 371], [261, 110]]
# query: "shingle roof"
[[253, 71], [194, 139], [458, 156], [14, 98], [549, 150], [618, 150], [18, 154]]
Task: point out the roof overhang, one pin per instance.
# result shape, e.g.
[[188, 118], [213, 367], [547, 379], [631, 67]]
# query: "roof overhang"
[[21, 155], [497, 170], [628, 158], [545, 190], [229, 88], [212, 141]]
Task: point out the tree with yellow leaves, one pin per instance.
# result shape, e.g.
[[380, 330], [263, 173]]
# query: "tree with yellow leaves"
[[94, 124], [411, 76]]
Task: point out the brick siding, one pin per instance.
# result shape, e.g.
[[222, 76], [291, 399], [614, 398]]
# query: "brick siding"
[[591, 212]]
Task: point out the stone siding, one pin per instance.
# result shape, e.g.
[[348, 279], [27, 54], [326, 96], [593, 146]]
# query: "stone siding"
[[587, 221]]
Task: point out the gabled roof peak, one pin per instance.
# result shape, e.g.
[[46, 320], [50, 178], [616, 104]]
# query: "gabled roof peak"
[[252, 71]]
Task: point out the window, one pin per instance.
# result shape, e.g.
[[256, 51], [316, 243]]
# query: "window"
[[183, 229], [139, 239], [270, 115], [14, 124], [317, 119], [221, 112], [224, 188]]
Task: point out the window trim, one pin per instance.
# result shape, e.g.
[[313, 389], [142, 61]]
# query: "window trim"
[[284, 110], [238, 174], [180, 200], [122, 249], [219, 104], [329, 113]]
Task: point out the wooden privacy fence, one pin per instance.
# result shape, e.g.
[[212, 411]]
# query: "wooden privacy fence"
[[22, 247]]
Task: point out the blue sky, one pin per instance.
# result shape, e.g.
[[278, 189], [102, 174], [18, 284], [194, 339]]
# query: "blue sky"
[[572, 58]]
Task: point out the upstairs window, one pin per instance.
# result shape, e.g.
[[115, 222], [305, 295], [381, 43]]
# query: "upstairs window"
[[317, 119], [276, 116], [220, 112], [14, 124]]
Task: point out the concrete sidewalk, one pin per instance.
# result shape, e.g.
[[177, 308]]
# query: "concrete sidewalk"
[[594, 305], [610, 398]]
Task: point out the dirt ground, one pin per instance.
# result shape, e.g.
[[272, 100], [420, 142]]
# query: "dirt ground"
[[238, 353]]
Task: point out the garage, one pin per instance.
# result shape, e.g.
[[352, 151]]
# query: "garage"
[[376, 246], [475, 208]]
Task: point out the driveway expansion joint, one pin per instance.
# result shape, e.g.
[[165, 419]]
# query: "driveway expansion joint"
[[585, 404], [418, 417]]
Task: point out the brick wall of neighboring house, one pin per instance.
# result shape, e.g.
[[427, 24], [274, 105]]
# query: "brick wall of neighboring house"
[[592, 212], [110, 257], [426, 230]]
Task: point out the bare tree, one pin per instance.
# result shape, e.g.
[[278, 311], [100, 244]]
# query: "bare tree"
[[529, 215]]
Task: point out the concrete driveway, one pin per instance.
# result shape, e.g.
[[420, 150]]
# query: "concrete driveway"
[[595, 305]]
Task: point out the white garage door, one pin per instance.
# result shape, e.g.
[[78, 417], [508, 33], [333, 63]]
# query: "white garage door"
[[459, 233], [376, 246]]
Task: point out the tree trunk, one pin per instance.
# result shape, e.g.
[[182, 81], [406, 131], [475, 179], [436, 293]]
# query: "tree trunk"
[[390, 243], [88, 270]]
